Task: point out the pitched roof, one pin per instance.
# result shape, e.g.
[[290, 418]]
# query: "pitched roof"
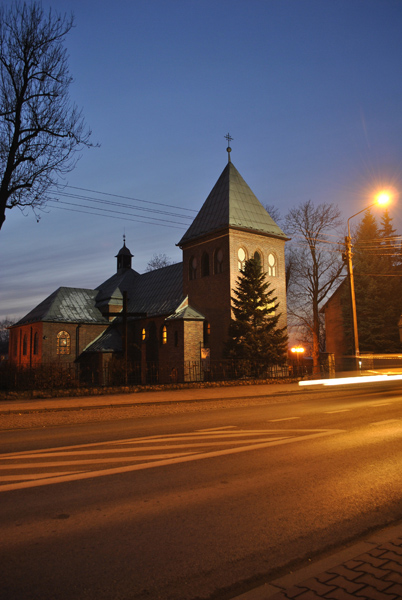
[[188, 313], [66, 305], [158, 292], [231, 203], [109, 341]]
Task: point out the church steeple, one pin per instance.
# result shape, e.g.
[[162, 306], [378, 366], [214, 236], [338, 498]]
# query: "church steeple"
[[124, 257]]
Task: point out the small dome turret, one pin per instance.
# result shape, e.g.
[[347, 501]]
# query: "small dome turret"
[[124, 257]]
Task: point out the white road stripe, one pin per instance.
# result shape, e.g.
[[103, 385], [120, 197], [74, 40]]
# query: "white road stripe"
[[165, 462], [285, 419]]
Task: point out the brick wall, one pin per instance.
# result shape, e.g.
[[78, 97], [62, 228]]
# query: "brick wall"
[[31, 353], [211, 294]]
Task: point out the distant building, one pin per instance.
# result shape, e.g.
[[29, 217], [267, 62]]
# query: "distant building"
[[171, 317]]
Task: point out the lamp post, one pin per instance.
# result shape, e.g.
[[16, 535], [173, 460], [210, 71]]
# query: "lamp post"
[[298, 350], [382, 199]]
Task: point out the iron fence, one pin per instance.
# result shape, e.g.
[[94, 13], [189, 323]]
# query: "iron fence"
[[69, 376]]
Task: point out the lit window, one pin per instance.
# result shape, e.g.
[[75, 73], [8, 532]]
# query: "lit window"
[[207, 332], [143, 334], [164, 335], [272, 265], [241, 258], [63, 342]]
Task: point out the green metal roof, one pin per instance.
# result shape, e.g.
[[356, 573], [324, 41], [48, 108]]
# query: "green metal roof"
[[231, 203], [67, 305], [188, 313]]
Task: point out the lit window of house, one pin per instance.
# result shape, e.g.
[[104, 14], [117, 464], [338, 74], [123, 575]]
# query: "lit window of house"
[[272, 265], [63, 342], [164, 335], [241, 258]]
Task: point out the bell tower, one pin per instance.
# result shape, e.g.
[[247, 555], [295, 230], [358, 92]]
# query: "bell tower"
[[231, 227], [124, 257]]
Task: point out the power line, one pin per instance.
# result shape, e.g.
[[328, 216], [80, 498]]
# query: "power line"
[[87, 212]]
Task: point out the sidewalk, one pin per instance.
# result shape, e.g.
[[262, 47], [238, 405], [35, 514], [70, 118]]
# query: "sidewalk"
[[368, 570], [149, 397]]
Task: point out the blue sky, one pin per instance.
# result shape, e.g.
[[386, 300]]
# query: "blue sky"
[[310, 90]]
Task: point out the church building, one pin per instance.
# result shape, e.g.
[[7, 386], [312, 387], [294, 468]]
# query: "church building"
[[172, 321]]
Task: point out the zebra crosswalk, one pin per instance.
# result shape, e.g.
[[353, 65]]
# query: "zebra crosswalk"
[[47, 466]]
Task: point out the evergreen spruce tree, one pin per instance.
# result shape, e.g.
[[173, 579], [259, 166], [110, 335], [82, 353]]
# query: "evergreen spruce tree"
[[254, 334], [377, 290]]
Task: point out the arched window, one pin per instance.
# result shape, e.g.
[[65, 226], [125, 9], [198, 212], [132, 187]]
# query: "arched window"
[[218, 261], [207, 332], [36, 343], [272, 265], [205, 264], [25, 344], [176, 338], [192, 268], [164, 335], [258, 257], [63, 342], [241, 258]]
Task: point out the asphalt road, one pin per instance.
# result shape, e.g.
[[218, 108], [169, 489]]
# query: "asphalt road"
[[193, 505]]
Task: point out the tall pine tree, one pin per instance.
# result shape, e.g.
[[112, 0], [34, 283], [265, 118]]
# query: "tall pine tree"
[[254, 334], [377, 287]]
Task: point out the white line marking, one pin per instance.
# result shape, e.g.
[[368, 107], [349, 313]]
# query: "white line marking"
[[285, 419], [219, 428], [165, 462]]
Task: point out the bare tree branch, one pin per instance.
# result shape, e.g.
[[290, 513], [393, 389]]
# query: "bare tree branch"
[[315, 266], [41, 130]]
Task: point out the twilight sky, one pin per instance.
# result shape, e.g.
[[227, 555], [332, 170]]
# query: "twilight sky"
[[310, 90]]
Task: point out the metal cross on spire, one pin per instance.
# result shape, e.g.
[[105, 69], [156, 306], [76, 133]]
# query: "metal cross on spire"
[[229, 138]]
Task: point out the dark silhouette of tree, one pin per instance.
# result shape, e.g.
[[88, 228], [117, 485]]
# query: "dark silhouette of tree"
[[378, 286], [158, 261], [254, 334], [41, 130], [5, 334], [315, 266]]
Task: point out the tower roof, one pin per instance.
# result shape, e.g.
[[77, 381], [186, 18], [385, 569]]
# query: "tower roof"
[[231, 203]]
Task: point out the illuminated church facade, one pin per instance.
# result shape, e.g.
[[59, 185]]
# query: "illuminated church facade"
[[172, 321]]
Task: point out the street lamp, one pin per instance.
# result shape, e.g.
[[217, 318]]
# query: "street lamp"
[[298, 350], [382, 199]]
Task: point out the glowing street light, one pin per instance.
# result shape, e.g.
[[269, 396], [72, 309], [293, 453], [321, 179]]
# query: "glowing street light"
[[381, 199], [297, 349]]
